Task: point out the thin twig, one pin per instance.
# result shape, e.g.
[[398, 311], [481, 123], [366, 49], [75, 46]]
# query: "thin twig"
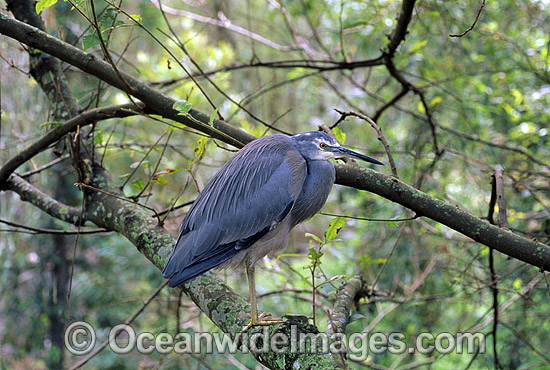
[[119, 197], [499, 185], [181, 45], [494, 290], [387, 259], [44, 167], [36, 230], [473, 24], [378, 130], [74, 258], [127, 322], [136, 167], [154, 173], [106, 52], [371, 219]]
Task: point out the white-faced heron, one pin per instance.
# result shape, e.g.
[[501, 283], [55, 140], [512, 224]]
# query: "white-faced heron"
[[249, 207]]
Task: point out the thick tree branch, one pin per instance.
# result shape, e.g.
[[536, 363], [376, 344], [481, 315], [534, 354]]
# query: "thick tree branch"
[[345, 297], [227, 310], [532, 252], [56, 209], [400, 31], [504, 241], [157, 102]]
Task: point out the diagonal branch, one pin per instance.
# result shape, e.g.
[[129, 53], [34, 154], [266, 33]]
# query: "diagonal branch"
[[227, 310], [56, 209], [57, 133], [529, 251], [224, 23], [157, 102], [391, 188], [36, 230], [345, 297], [473, 24], [400, 31]]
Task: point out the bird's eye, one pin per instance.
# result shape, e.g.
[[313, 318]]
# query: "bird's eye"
[[322, 145]]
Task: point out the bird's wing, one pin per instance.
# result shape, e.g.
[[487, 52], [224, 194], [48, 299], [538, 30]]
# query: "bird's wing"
[[252, 192]]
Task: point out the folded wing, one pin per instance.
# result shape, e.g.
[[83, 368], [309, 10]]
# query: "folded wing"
[[253, 192]]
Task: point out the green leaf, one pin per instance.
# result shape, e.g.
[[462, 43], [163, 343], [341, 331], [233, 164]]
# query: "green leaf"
[[353, 24], [160, 179], [98, 136], [392, 224], [433, 13], [139, 184], [43, 4], [313, 254], [417, 46], [213, 117], [291, 255], [420, 107], [51, 124], [368, 260], [340, 135], [183, 107], [89, 41], [334, 228], [135, 164], [518, 96], [436, 100], [200, 150], [355, 316], [135, 17], [314, 237]]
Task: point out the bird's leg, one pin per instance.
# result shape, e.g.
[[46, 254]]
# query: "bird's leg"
[[264, 318]]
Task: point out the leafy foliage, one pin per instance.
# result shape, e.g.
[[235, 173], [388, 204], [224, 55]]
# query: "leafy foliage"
[[486, 99]]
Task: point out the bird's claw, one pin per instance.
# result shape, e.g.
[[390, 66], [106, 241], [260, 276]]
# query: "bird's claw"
[[264, 319]]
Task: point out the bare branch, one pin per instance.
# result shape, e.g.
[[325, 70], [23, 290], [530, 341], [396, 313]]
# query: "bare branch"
[[36, 230], [128, 321], [57, 133], [473, 24], [494, 289], [519, 150], [225, 23], [345, 296], [531, 252], [154, 100], [44, 167], [499, 188], [389, 103], [378, 130], [400, 31], [56, 209], [389, 187]]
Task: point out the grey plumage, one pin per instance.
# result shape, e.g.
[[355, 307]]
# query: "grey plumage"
[[249, 207]]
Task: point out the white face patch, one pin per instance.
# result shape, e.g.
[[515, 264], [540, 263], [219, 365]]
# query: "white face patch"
[[318, 142], [321, 153]]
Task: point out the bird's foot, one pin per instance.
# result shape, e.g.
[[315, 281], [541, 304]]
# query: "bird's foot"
[[264, 319]]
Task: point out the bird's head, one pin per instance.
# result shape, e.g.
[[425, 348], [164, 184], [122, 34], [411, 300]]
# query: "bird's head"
[[318, 145]]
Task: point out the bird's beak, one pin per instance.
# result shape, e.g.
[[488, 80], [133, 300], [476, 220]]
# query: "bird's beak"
[[344, 152]]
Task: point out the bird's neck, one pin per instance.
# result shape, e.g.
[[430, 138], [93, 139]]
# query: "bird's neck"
[[319, 180]]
